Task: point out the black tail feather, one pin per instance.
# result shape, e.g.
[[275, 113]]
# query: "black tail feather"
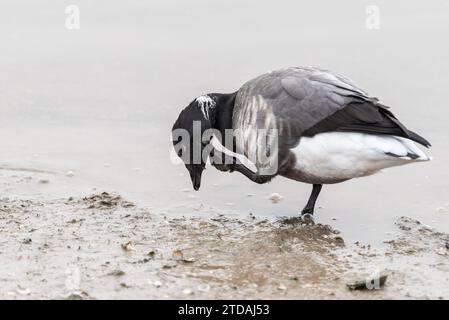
[[410, 134], [417, 138]]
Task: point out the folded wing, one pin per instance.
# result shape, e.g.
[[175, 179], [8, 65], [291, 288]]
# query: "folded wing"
[[307, 101]]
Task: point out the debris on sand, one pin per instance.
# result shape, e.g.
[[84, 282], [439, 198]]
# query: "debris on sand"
[[204, 287], [157, 284], [23, 291], [127, 246], [178, 255], [373, 282], [81, 295], [291, 221], [169, 266], [116, 273], [282, 287], [106, 200], [144, 260], [147, 258], [27, 241], [76, 220], [338, 240], [187, 291], [275, 197]]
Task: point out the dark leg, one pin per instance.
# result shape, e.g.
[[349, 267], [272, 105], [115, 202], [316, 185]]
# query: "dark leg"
[[251, 175], [310, 206], [224, 162]]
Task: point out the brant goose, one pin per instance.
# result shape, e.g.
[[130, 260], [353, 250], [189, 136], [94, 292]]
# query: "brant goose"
[[322, 129]]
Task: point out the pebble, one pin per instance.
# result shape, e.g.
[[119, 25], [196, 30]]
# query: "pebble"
[[187, 291], [128, 246], [275, 197], [23, 292], [369, 282], [282, 287], [204, 287], [70, 174]]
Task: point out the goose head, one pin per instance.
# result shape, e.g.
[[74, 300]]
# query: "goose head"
[[191, 136]]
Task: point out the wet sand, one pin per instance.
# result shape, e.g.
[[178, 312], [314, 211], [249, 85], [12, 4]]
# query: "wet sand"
[[101, 246]]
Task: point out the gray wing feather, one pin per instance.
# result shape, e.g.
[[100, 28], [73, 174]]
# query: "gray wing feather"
[[298, 98]]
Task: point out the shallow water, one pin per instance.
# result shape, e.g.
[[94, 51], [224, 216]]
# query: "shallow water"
[[100, 101]]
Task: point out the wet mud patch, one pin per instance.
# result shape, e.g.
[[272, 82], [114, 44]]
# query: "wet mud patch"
[[417, 238], [252, 258], [104, 200]]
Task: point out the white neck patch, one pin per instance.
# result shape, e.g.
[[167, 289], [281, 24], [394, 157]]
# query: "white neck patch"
[[205, 103]]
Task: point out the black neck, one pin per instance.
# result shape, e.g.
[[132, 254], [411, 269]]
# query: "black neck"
[[221, 117]]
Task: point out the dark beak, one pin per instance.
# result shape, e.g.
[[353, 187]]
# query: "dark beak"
[[195, 176]]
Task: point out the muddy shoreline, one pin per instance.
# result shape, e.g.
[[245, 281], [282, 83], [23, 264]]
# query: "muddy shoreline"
[[102, 246]]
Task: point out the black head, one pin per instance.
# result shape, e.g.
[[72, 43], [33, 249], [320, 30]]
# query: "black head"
[[191, 136]]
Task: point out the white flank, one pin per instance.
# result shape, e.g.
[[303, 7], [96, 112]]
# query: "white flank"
[[347, 155]]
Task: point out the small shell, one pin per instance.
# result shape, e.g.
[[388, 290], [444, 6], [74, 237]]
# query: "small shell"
[[275, 197]]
